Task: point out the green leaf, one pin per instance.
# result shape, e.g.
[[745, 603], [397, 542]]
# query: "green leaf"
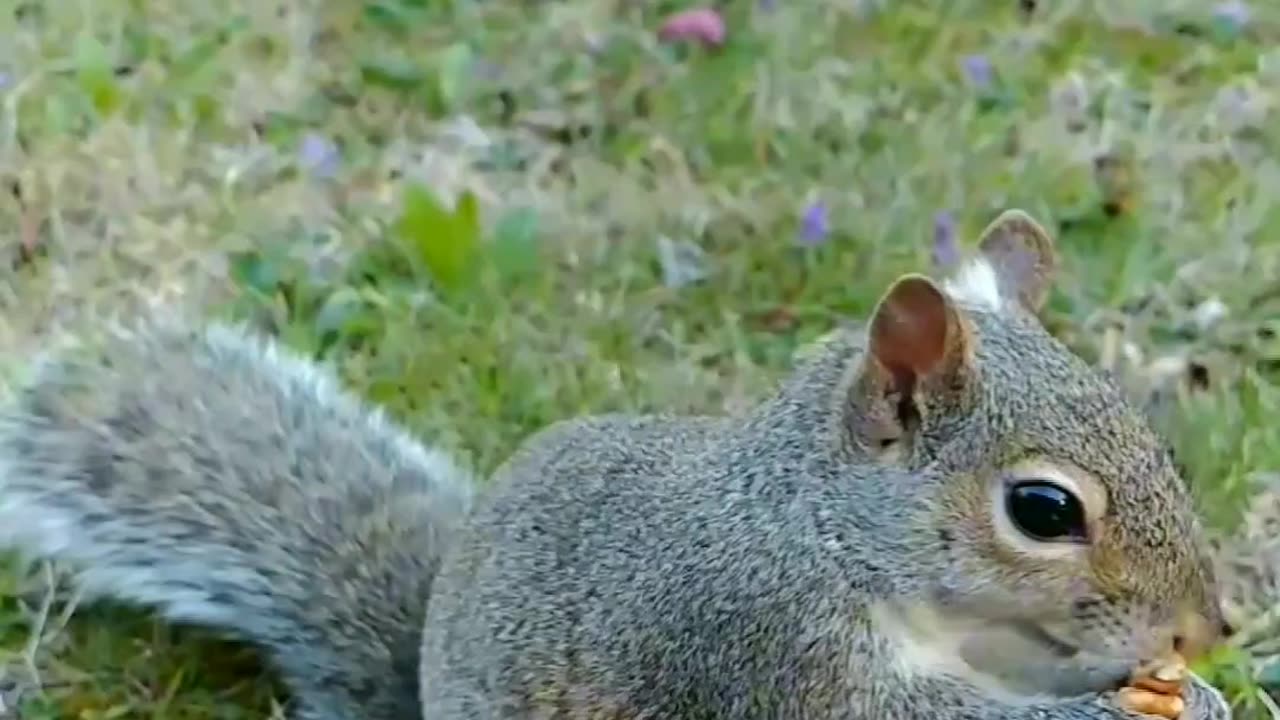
[[348, 316], [96, 74], [393, 73], [398, 17], [454, 67], [385, 14], [256, 271], [443, 242], [467, 215], [420, 217], [336, 311]]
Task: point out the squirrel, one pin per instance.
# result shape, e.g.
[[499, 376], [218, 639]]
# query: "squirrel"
[[944, 514]]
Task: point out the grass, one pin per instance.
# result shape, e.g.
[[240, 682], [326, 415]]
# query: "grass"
[[598, 221]]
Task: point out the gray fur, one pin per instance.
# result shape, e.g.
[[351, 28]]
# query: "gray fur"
[[231, 484], [724, 568], [761, 566]]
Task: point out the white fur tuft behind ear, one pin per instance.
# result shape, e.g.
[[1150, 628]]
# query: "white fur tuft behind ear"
[[976, 284]]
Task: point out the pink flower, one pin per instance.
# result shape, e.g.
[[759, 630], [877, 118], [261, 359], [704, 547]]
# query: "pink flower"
[[702, 25]]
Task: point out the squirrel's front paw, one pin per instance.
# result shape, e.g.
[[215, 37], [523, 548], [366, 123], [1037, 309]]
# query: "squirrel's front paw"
[[1204, 702]]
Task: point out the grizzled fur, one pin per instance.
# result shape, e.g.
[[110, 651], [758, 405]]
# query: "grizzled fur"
[[232, 484], [811, 558], [674, 567]]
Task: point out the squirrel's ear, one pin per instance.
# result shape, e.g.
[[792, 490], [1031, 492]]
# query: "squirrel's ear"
[[1021, 255], [917, 354], [913, 329]]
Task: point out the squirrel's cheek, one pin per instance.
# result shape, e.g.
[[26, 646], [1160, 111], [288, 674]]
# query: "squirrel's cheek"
[[1111, 569]]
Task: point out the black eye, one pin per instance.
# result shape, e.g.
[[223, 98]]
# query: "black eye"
[[1046, 512]]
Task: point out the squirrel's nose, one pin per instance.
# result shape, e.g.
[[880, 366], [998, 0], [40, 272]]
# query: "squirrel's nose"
[[1198, 631]]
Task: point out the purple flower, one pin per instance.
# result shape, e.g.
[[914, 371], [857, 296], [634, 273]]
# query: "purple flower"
[[318, 155], [945, 251], [978, 70], [1232, 13], [768, 5], [815, 225]]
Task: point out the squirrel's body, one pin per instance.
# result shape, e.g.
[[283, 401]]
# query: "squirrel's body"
[[632, 564], [872, 541]]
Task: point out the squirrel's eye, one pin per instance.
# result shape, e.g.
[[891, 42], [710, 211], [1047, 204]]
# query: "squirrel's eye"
[[1046, 512]]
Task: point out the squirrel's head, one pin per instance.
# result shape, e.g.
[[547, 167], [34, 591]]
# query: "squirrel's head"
[[1060, 516]]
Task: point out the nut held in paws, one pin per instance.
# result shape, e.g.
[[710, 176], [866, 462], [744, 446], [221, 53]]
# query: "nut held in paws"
[[1150, 703]]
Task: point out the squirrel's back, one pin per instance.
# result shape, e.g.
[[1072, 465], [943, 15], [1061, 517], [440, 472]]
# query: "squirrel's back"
[[229, 483], [660, 566]]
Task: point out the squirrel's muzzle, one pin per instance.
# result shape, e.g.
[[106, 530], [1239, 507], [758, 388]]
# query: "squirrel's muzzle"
[[1198, 630]]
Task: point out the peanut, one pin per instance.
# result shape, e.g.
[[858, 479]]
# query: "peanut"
[[1155, 688], [1150, 703]]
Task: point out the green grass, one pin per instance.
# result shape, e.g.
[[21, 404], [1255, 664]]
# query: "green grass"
[[159, 146]]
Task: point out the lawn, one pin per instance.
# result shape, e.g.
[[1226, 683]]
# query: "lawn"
[[492, 215]]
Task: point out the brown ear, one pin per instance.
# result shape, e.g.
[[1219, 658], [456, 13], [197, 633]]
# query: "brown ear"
[[917, 357], [1021, 253]]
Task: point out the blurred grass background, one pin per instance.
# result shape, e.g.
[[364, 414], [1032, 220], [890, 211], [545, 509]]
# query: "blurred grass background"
[[494, 215]]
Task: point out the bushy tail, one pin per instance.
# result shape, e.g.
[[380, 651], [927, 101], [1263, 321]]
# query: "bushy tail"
[[227, 482]]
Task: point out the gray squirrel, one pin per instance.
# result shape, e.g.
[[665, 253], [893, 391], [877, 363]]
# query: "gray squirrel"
[[946, 515]]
